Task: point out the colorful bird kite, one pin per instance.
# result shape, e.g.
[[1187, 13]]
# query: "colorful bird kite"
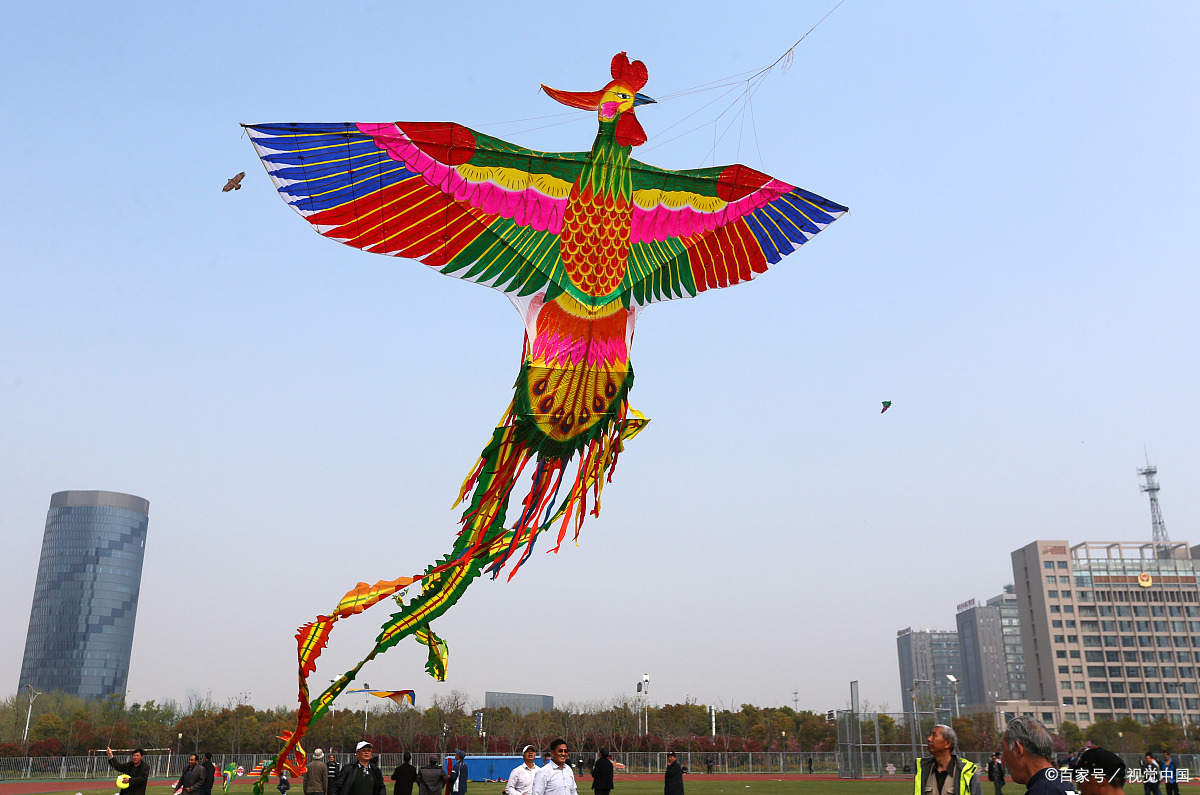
[[581, 243], [887, 404]]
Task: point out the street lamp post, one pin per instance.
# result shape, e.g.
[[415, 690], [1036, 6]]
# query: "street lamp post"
[[952, 678], [646, 695], [366, 708], [28, 714]]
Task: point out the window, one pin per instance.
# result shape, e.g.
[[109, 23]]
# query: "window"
[[1137, 703], [1112, 656], [1055, 609], [1109, 626], [1120, 703], [1062, 564], [1166, 656], [1097, 687], [1048, 717], [1057, 624], [1096, 670], [1114, 671], [1153, 687], [1077, 669], [1151, 671], [1062, 669], [1066, 594], [1117, 687], [1129, 656], [1079, 686], [1156, 703], [1133, 671], [1138, 610], [1135, 687], [1052, 594], [1157, 610], [1102, 703], [1147, 656], [1074, 654], [1049, 564], [1070, 624], [1051, 579], [1095, 656], [1187, 672], [1105, 610], [1069, 716], [1068, 701], [1085, 716], [1059, 639], [1160, 626], [1065, 685], [1060, 654], [1068, 608], [1064, 579]]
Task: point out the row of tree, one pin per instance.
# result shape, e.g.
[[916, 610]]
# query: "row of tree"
[[63, 724]]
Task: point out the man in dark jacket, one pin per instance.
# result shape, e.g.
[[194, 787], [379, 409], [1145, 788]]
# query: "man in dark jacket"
[[458, 776], [602, 774], [137, 770], [332, 767], [431, 778], [210, 773], [405, 776], [674, 777], [996, 773], [1027, 751], [191, 780], [361, 778]]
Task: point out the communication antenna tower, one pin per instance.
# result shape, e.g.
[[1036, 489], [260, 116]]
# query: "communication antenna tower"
[[1151, 487]]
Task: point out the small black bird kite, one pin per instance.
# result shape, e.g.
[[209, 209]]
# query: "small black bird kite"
[[234, 183]]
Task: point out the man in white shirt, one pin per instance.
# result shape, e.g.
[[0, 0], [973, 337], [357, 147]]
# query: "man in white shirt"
[[520, 781], [555, 777]]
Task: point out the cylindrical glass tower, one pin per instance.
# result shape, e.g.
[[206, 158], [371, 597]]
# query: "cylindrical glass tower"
[[85, 600]]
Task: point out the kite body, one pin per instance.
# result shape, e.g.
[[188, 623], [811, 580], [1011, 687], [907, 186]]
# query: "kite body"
[[580, 242]]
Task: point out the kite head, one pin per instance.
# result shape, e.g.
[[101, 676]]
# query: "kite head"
[[616, 101]]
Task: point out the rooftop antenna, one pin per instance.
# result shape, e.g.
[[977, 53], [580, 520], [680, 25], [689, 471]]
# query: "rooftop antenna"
[[1159, 527]]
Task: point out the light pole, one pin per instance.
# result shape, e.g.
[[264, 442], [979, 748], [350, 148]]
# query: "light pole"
[[646, 694], [366, 707], [955, 681], [29, 714]]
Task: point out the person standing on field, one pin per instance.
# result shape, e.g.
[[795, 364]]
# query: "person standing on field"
[[316, 777]]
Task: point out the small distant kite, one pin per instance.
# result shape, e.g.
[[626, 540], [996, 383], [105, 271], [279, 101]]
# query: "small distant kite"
[[401, 697], [234, 183], [887, 404]]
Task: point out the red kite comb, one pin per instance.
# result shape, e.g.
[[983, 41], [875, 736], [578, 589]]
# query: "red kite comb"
[[633, 74]]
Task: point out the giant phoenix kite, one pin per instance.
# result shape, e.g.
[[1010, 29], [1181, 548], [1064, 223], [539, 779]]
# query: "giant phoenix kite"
[[580, 242]]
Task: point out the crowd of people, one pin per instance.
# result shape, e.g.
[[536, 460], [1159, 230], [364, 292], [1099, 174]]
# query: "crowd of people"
[[1027, 757]]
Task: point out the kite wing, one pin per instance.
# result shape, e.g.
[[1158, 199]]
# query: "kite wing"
[[713, 227], [472, 206]]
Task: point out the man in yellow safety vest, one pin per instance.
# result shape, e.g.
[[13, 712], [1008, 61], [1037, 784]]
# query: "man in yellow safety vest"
[[943, 772]]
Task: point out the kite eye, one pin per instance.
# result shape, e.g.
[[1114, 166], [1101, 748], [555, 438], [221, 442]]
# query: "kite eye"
[[623, 96]]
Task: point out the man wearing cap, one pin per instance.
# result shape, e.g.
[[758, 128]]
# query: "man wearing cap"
[[673, 781], [555, 777], [316, 777], [1027, 751], [431, 778], [458, 776], [405, 775], [1099, 772], [362, 777], [943, 772], [520, 780]]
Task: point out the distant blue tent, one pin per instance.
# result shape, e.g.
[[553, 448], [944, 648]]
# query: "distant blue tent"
[[492, 768]]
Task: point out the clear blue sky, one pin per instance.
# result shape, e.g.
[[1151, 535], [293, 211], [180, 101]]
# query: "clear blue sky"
[[1017, 274]]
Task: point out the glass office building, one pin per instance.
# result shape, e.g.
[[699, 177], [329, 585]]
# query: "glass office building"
[[85, 600], [519, 703]]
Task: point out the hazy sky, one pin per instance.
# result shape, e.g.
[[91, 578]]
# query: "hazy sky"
[[1017, 273]]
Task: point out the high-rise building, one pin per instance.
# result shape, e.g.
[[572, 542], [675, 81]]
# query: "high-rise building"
[[989, 638], [519, 703], [85, 599], [1010, 637], [1111, 629], [927, 656]]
